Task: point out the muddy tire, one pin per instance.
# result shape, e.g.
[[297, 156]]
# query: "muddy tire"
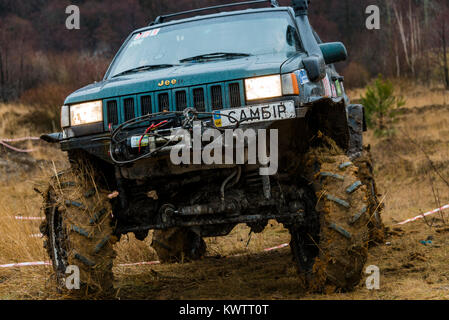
[[79, 232], [304, 239], [178, 245], [365, 173], [342, 209]]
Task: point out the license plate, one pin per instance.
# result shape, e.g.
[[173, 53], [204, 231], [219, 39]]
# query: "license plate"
[[254, 114]]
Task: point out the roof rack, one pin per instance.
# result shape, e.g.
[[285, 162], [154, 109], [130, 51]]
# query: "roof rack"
[[161, 19]]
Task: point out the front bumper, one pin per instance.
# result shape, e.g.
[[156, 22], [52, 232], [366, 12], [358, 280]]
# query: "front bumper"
[[93, 139]]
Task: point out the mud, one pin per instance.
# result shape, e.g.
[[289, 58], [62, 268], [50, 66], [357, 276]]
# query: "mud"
[[343, 246], [78, 231]]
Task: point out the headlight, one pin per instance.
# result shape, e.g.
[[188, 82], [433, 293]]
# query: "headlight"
[[85, 113], [263, 87]]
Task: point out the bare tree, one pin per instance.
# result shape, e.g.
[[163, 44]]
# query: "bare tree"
[[400, 23], [444, 47], [439, 45]]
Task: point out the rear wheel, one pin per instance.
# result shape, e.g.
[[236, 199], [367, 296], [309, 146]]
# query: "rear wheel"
[[342, 214], [79, 232], [178, 245]]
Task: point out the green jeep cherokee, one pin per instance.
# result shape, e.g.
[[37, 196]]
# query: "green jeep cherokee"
[[234, 71]]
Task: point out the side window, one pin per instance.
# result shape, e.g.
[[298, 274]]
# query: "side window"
[[293, 38]]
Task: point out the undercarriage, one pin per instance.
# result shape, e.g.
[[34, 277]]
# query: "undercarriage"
[[208, 201]]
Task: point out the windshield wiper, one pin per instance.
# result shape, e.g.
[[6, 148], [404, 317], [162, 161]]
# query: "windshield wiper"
[[216, 55], [144, 68]]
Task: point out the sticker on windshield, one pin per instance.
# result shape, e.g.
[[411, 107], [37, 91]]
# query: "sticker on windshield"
[[146, 34], [155, 32], [302, 76]]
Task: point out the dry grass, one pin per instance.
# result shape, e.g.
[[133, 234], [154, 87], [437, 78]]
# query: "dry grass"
[[410, 270], [18, 243], [18, 120], [405, 162], [415, 95]]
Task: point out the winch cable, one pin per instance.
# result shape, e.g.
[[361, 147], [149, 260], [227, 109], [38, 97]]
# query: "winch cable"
[[152, 127], [190, 115]]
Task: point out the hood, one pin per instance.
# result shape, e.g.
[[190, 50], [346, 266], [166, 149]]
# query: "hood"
[[186, 75]]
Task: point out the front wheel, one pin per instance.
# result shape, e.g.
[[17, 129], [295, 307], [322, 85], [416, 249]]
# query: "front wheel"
[[333, 258], [79, 232], [364, 163]]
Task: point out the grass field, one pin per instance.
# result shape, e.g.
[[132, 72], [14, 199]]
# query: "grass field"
[[412, 170]]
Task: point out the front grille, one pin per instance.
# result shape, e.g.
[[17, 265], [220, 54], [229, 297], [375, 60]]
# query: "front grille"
[[234, 95], [129, 109], [217, 98], [207, 97], [181, 100], [112, 112], [198, 99], [145, 105], [164, 102]]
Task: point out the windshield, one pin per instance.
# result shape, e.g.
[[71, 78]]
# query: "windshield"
[[233, 37]]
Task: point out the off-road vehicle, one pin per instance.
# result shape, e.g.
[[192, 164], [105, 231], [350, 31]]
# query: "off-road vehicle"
[[256, 68]]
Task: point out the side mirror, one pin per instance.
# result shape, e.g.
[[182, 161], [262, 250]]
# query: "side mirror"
[[334, 52], [315, 67]]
